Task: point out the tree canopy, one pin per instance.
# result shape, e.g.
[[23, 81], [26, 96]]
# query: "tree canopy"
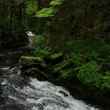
[[18, 15]]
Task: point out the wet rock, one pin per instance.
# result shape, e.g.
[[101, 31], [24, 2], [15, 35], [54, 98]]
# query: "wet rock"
[[33, 67], [64, 93]]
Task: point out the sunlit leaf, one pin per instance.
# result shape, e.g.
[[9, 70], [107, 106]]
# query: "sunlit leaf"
[[46, 12], [56, 2]]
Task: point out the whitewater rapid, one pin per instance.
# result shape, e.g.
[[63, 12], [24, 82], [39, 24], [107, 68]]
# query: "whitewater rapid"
[[31, 94]]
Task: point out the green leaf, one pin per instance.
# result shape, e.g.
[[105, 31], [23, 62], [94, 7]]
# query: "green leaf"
[[31, 7], [46, 12], [56, 2]]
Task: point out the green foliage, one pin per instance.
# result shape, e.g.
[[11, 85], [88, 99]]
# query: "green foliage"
[[88, 74], [56, 2], [56, 55], [31, 7], [51, 10], [62, 69], [105, 85], [82, 40], [24, 15], [84, 62], [39, 41], [82, 51], [89, 55], [41, 52], [74, 66], [40, 47], [46, 12]]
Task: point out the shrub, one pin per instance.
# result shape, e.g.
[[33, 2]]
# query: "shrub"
[[88, 74]]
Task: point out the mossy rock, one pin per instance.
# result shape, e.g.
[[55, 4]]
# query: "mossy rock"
[[30, 60]]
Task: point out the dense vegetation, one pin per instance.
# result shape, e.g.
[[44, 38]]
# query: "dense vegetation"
[[79, 31], [71, 37]]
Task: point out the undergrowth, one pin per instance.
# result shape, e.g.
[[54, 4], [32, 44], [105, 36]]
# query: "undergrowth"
[[85, 60]]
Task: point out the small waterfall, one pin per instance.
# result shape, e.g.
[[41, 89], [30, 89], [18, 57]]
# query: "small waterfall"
[[20, 93]]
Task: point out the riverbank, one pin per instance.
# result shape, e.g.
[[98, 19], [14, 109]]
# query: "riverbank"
[[48, 67]]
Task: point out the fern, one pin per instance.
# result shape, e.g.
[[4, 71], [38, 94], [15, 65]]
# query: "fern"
[[46, 12], [31, 7], [56, 2]]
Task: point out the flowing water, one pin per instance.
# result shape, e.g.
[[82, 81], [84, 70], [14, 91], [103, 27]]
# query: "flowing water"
[[18, 93]]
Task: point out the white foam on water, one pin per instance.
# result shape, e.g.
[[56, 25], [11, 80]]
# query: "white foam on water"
[[39, 95], [46, 96]]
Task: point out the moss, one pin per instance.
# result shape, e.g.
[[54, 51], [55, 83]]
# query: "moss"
[[30, 59]]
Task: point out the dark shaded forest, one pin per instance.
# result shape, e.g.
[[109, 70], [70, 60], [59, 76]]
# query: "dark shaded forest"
[[66, 42]]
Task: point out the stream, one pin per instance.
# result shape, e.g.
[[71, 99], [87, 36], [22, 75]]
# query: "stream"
[[19, 93], [26, 93]]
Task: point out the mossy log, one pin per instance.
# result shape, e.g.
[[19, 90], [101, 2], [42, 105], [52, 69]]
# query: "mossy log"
[[30, 60], [33, 67], [40, 67]]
